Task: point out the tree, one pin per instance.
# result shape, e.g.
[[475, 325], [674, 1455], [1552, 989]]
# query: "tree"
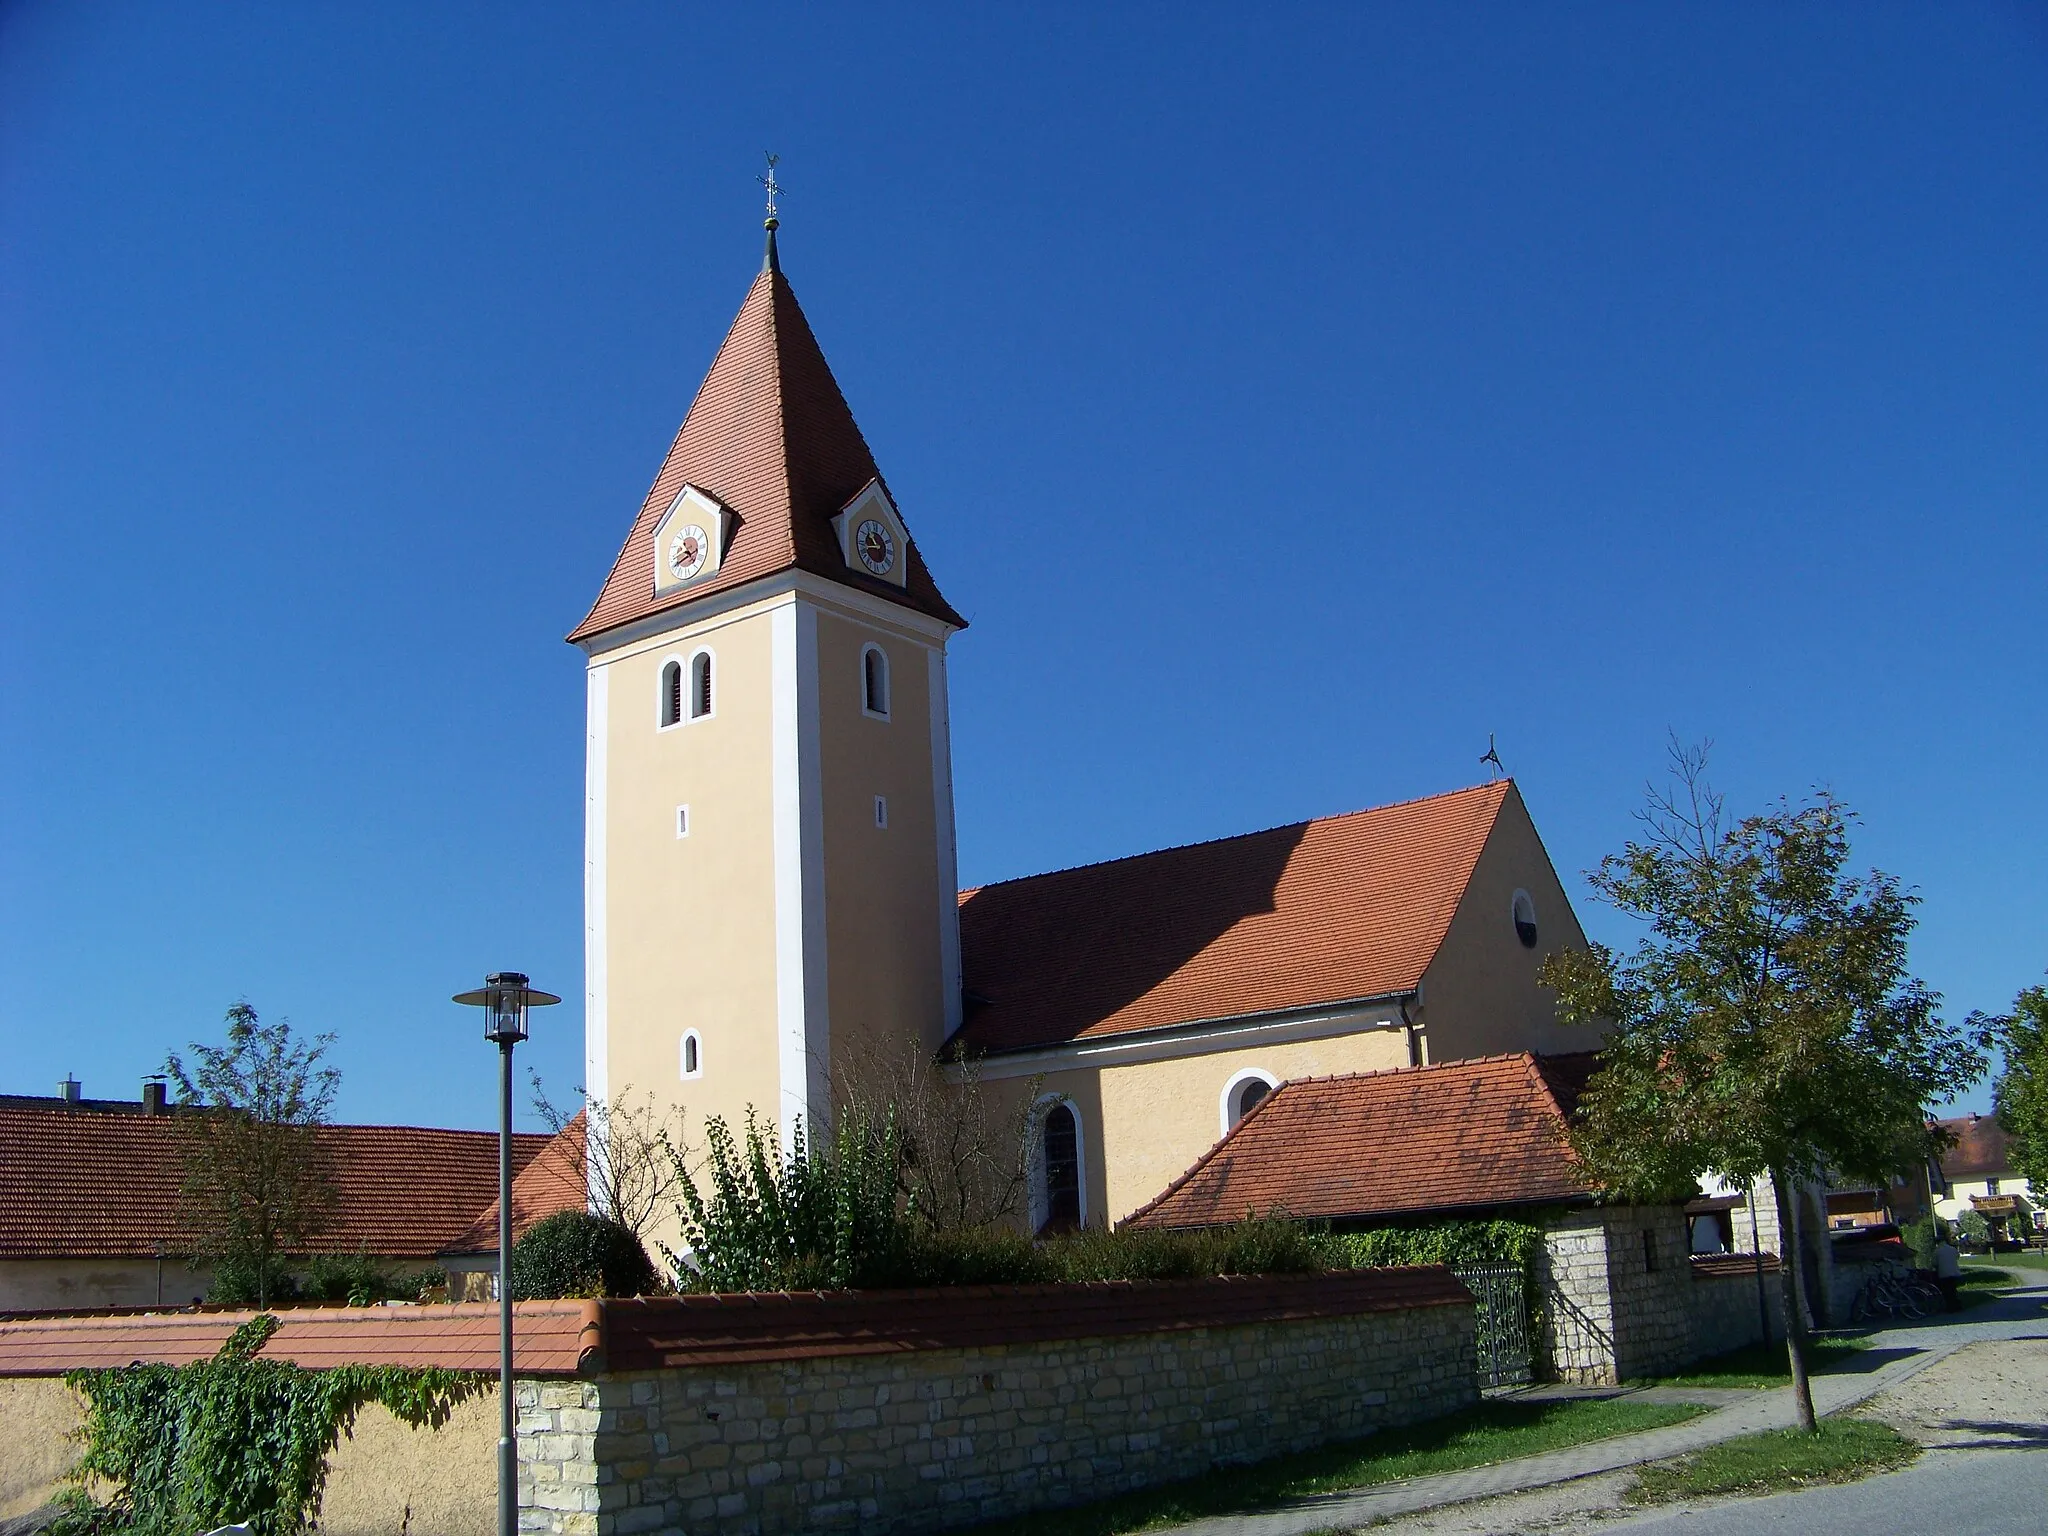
[[256, 1184], [2022, 1089], [1766, 1023], [965, 1151], [630, 1149]]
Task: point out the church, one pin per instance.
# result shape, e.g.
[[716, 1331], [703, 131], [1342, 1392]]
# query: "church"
[[770, 891]]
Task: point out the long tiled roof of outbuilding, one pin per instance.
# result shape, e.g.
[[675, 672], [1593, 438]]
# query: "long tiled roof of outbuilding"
[[771, 437], [556, 1180], [1463, 1135], [85, 1182], [1321, 912]]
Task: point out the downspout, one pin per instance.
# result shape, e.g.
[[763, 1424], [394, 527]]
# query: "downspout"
[[1418, 1037]]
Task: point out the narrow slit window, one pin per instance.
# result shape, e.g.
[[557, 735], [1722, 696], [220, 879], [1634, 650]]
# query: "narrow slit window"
[[874, 664], [672, 693], [700, 685], [882, 811], [693, 1060]]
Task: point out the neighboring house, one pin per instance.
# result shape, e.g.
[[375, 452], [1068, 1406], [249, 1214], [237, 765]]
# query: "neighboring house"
[[1976, 1175], [1619, 1293], [89, 1198], [771, 901], [555, 1180]]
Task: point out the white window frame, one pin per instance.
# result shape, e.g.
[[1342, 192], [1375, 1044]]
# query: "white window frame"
[[1237, 1081], [682, 667], [1041, 1197], [690, 686], [690, 1038], [888, 685]]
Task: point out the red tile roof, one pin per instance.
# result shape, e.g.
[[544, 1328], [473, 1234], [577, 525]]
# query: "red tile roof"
[[1980, 1150], [565, 1337], [771, 437], [79, 1182], [1320, 912], [554, 1181], [1466, 1134]]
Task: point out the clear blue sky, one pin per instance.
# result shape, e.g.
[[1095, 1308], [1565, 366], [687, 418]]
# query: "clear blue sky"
[[1289, 395]]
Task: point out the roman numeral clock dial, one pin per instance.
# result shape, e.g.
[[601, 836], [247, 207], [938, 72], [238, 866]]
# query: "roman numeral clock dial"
[[877, 550]]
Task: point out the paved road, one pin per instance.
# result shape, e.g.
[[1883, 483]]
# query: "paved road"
[[1895, 1355], [1980, 1493]]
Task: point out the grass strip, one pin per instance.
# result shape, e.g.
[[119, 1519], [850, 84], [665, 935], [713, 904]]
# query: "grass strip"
[[1763, 1365], [1839, 1451], [1493, 1431]]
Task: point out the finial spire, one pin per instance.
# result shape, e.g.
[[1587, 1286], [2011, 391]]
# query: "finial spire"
[[769, 260]]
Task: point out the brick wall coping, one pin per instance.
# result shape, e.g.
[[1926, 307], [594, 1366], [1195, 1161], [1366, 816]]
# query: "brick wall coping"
[[1724, 1266], [568, 1338]]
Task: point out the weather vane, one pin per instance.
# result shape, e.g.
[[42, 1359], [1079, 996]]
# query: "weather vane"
[[774, 187]]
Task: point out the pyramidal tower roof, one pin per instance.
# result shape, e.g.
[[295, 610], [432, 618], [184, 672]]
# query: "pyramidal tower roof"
[[770, 436]]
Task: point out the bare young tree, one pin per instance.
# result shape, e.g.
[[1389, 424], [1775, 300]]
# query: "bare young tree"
[[631, 1150], [964, 1146], [257, 1185]]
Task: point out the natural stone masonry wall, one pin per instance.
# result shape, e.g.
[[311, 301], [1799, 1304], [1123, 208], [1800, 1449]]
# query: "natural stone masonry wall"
[[1724, 1304], [1617, 1293], [921, 1440]]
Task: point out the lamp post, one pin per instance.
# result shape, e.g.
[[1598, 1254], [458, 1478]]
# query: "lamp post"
[[505, 997]]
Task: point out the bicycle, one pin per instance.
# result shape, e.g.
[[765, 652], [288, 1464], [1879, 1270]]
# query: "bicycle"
[[1896, 1291]]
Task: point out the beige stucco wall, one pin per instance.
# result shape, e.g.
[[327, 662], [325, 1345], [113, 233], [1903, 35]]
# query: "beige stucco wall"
[[388, 1477], [28, 1285], [384, 1478], [1144, 1124], [39, 1414], [1479, 995], [881, 884], [690, 921]]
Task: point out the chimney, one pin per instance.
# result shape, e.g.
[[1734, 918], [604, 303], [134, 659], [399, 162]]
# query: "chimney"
[[68, 1089], [152, 1095]]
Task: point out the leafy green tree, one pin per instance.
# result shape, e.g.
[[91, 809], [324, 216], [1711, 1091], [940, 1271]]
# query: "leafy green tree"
[[257, 1186], [2022, 1090], [1766, 1023]]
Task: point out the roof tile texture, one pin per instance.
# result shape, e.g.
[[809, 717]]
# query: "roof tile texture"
[[1482, 1132], [565, 1337], [87, 1183], [1320, 912], [771, 437], [1980, 1150], [554, 1181]]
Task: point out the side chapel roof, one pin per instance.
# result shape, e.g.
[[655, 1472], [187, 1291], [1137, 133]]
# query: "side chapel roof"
[[1320, 912], [1461, 1135], [771, 437]]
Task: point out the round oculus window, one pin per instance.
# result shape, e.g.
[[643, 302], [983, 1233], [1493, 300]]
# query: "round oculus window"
[[1525, 919]]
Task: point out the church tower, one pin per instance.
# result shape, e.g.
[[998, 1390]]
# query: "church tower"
[[769, 883]]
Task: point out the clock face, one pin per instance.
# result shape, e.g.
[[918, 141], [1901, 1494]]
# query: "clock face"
[[876, 549], [686, 552]]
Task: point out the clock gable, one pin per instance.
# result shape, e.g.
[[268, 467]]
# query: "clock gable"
[[690, 540], [871, 536]]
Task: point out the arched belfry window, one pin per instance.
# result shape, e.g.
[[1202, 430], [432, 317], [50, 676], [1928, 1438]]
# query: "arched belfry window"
[[874, 682], [693, 1055], [1060, 1166], [672, 693], [700, 685]]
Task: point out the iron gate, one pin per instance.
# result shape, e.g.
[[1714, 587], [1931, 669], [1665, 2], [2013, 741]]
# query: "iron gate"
[[1501, 1311]]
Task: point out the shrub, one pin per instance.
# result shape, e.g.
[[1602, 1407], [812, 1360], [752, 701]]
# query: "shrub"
[[355, 1280], [238, 1283], [827, 1217], [577, 1253], [1920, 1239], [1460, 1244]]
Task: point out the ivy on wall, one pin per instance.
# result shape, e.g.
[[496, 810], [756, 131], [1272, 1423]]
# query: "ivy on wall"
[[182, 1449], [1460, 1244]]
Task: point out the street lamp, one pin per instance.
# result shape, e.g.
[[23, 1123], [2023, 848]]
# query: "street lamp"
[[505, 997]]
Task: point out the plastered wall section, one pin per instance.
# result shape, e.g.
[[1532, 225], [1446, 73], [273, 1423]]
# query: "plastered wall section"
[[690, 921], [931, 1441], [882, 883], [385, 1477], [1480, 995], [73, 1284], [1145, 1124]]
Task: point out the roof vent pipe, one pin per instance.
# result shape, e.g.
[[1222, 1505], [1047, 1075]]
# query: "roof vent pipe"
[[68, 1089], [152, 1095]]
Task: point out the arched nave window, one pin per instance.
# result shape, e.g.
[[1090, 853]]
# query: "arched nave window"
[[1241, 1095], [1059, 1169]]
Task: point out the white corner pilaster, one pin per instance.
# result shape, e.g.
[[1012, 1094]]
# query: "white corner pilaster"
[[803, 1033], [951, 1002], [596, 1010]]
